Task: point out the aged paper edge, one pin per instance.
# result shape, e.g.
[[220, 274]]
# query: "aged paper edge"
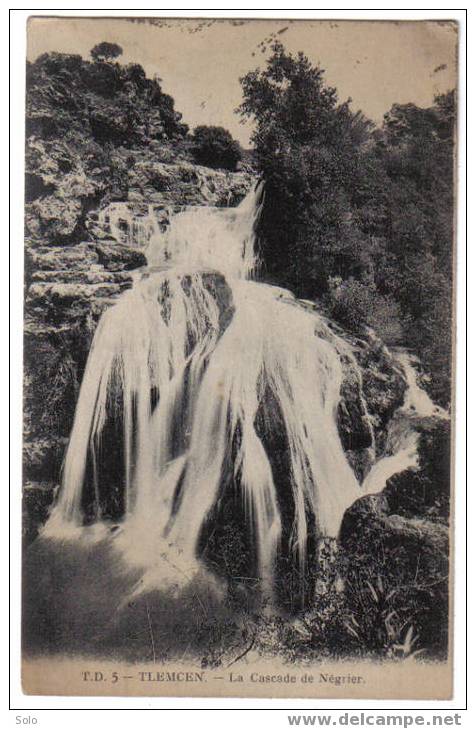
[[339, 680]]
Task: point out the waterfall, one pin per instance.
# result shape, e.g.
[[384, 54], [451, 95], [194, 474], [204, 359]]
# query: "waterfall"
[[186, 374], [126, 227], [402, 438]]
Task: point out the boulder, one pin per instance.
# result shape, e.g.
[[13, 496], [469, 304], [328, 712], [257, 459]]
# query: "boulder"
[[395, 548], [118, 257]]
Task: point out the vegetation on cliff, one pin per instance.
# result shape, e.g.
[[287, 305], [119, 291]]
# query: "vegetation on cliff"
[[111, 103], [215, 147], [358, 216]]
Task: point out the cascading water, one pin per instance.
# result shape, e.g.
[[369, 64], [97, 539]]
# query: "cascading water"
[[126, 227], [402, 438], [189, 376]]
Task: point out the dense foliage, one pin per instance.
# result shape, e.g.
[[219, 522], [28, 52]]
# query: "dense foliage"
[[115, 104], [358, 217], [106, 51], [215, 147]]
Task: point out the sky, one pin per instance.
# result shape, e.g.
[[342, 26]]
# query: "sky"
[[376, 63]]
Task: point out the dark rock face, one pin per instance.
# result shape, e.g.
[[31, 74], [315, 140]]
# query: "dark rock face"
[[115, 256], [372, 390], [425, 494], [64, 182], [380, 382], [67, 290]]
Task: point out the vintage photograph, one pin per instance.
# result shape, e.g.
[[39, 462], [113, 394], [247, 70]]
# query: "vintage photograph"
[[238, 357]]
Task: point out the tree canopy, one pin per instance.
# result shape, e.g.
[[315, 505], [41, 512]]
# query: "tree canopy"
[[215, 147], [106, 51], [357, 217]]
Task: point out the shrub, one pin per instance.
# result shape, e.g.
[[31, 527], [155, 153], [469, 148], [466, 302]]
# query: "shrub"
[[356, 304], [215, 147]]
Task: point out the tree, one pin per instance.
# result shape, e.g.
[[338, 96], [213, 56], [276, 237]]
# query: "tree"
[[215, 147], [308, 149], [105, 51], [416, 151], [359, 217]]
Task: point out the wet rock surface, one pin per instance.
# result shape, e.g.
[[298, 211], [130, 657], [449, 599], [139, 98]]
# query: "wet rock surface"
[[67, 291]]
